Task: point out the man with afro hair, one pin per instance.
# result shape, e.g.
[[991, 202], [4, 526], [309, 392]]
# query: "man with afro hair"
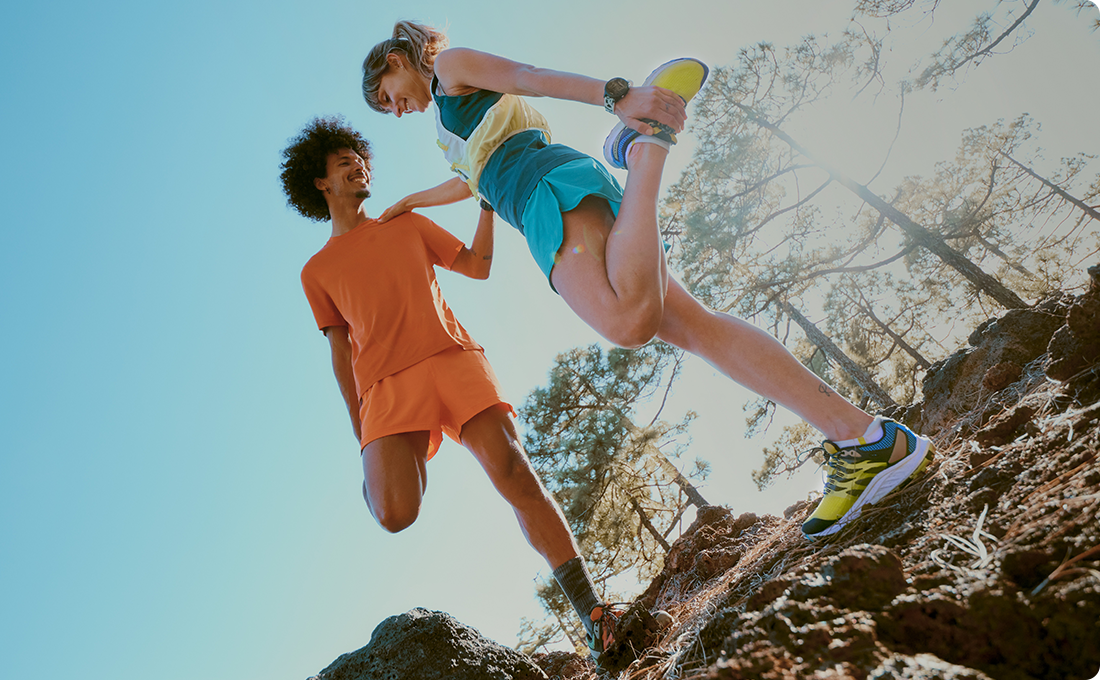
[[408, 371]]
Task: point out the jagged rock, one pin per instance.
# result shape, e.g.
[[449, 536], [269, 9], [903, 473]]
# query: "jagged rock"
[[894, 597], [712, 544], [430, 645], [861, 577], [923, 667], [797, 508], [768, 593], [952, 386], [1002, 429], [565, 665], [792, 639], [993, 629], [1076, 345], [1002, 375], [1066, 356], [636, 632]]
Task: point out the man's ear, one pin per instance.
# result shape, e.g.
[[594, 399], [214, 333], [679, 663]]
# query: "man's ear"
[[321, 183], [393, 59]]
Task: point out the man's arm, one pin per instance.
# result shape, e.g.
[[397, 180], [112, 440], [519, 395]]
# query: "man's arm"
[[340, 344], [477, 260], [451, 191]]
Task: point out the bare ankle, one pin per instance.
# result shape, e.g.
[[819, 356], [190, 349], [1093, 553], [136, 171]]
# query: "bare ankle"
[[645, 151]]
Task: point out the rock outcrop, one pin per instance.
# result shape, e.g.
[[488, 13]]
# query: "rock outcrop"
[[430, 645]]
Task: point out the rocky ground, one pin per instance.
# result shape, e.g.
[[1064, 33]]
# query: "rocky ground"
[[988, 566]]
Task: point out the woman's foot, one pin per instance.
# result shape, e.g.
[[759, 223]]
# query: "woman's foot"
[[684, 77]]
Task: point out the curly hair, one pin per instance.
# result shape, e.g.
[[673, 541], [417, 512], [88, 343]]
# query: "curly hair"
[[306, 159], [419, 43]]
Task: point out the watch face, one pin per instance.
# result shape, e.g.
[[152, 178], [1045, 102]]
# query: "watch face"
[[617, 88]]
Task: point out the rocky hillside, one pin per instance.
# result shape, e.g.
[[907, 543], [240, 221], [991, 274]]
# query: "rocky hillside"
[[988, 566]]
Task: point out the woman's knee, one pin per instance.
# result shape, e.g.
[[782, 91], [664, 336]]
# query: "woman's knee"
[[636, 327]]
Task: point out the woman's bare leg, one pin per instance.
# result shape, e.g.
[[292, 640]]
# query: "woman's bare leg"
[[611, 271], [755, 359]]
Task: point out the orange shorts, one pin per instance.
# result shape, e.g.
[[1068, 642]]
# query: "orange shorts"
[[438, 395]]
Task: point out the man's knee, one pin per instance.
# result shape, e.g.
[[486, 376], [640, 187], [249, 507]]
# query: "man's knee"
[[394, 520], [390, 515]]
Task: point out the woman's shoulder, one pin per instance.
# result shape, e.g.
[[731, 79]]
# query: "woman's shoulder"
[[450, 68]]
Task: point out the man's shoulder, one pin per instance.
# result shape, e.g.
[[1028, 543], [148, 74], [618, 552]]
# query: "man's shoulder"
[[413, 219], [314, 260]]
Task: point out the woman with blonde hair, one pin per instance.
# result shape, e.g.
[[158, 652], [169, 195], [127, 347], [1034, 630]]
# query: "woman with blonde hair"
[[599, 245]]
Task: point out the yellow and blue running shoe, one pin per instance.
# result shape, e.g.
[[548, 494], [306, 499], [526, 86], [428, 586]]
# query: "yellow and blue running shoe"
[[683, 76], [863, 474]]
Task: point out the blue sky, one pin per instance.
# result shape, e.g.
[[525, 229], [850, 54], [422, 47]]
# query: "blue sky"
[[179, 486]]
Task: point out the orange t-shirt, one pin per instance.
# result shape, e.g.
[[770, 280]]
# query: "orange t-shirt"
[[379, 281]]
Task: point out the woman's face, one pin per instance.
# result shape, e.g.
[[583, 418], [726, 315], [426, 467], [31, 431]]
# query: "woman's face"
[[402, 90]]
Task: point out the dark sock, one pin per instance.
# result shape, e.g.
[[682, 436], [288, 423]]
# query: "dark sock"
[[575, 581]]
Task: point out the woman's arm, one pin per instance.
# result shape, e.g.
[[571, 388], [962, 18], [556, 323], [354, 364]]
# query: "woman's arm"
[[462, 70], [451, 191]]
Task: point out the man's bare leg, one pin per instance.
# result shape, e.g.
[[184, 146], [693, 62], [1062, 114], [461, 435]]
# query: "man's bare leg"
[[493, 439], [395, 478]]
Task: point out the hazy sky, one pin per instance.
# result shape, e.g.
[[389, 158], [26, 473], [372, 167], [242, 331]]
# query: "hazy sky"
[[179, 485]]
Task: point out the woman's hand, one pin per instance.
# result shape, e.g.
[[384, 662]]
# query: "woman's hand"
[[651, 103], [451, 191], [402, 206]]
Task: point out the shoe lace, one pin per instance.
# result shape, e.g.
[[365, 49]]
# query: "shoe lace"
[[834, 474], [802, 457]]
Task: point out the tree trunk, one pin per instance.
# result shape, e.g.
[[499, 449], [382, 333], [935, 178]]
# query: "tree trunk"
[[905, 346], [860, 376], [1085, 207], [693, 495], [920, 235], [686, 486], [649, 525]]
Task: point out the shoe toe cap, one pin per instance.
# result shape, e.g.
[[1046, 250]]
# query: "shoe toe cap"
[[815, 526]]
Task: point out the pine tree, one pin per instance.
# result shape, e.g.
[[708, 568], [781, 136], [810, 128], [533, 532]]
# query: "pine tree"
[[997, 29]]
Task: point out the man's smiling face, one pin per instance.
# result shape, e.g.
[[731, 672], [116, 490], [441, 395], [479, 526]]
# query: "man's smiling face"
[[347, 174]]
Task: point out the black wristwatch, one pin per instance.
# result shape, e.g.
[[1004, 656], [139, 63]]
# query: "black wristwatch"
[[614, 90], [485, 206]]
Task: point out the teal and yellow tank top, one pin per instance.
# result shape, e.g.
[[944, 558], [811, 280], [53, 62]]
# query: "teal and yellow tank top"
[[499, 145]]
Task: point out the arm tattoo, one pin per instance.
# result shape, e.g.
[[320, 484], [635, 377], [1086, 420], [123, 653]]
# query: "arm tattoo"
[[824, 390]]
